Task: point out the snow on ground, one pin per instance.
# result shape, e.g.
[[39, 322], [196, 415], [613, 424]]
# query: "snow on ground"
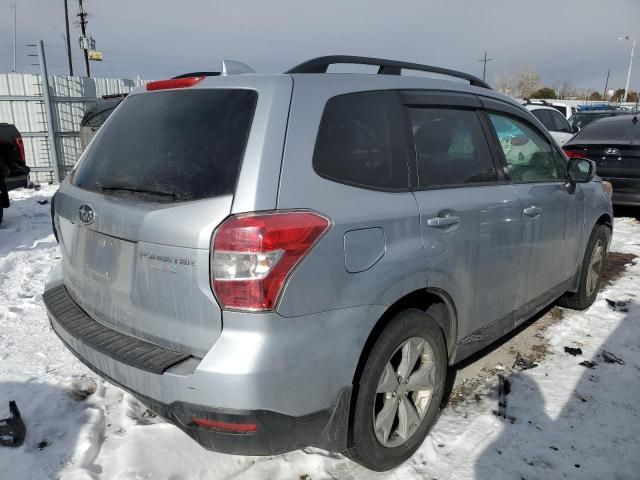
[[564, 420]]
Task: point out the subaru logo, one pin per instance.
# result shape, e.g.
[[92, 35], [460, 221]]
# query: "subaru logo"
[[612, 151], [86, 214]]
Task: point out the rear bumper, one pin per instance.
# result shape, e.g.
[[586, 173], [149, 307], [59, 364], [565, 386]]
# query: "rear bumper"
[[19, 181], [629, 199], [291, 377]]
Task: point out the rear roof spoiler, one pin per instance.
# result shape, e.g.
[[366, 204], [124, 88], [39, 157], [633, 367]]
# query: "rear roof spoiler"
[[385, 67]]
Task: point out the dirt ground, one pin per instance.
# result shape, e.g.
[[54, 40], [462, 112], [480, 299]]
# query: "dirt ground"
[[528, 341]]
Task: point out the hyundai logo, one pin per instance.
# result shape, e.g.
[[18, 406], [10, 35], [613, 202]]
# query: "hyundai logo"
[[612, 151], [86, 214]]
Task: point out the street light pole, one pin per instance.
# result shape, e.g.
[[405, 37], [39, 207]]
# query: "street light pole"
[[633, 46]]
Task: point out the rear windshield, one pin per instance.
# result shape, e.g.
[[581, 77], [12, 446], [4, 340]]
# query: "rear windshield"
[[173, 145], [620, 128]]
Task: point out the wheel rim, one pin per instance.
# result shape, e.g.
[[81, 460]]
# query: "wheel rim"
[[595, 265], [404, 392]]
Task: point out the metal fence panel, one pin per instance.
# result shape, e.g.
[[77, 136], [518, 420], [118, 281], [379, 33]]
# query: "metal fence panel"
[[22, 103]]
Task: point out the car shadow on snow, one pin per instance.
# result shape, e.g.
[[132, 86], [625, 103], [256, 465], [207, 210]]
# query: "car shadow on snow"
[[587, 430], [61, 429]]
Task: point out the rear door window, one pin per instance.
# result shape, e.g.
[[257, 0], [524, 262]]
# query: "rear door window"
[[361, 141], [172, 145], [451, 148]]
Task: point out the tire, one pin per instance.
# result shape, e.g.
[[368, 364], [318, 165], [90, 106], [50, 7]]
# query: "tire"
[[588, 287], [417, 334]]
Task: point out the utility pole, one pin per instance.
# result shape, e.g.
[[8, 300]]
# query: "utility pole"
[[606, 85], [66, 21], [82, 15], [15, 8], [485, 60]]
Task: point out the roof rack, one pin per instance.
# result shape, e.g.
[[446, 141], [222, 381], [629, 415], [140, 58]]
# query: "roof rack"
[[386, 67]]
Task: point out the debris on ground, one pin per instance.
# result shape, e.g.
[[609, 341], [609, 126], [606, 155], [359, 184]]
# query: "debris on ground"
[[588, 364], [43, 444], [523, 363], [618, 305], [12, 428], [504, 388], [573, 351], [43, 202], [82, 387], [611, 358]]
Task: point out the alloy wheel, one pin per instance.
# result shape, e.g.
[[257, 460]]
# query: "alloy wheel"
[[595, 265], [404, 392]]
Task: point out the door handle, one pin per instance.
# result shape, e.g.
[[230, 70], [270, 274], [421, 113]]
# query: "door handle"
[[438, 222], [532, 211]]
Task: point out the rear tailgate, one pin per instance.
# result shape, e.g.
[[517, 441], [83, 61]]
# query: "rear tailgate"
[[135, 220]]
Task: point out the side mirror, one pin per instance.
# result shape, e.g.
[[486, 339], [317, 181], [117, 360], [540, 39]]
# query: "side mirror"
[[581, 170], [575, 129]]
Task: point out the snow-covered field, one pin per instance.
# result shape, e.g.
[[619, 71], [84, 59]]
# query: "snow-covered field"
[[564, 420]]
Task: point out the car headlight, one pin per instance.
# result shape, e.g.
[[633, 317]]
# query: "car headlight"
[[607, 187]]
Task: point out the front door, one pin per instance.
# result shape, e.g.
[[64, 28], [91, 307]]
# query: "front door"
[[552, 209]]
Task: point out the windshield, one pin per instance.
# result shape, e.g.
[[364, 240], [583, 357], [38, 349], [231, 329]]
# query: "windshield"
[[173, 145]]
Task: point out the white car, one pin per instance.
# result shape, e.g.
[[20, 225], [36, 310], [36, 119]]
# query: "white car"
[[553, 121]]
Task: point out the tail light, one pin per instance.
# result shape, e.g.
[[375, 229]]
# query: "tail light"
[[574, 153], [173, 83], [252, 255], [17, 140]]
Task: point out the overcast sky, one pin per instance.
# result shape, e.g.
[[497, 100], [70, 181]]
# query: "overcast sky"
[[575, 40]]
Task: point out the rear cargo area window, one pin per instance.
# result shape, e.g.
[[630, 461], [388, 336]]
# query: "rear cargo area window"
[[171, 146], [360, 141]]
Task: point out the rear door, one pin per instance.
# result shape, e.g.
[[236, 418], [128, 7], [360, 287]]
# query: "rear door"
[[552, 211], [136, 219], [470, 218]]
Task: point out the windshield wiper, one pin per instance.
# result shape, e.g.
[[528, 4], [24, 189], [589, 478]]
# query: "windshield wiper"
[[124, 188]]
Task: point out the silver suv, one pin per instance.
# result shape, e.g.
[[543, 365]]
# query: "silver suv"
[[271, 262]]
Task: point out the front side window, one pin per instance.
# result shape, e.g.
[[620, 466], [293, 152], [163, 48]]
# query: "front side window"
[[360, 142], [530, 157], [451, 148]]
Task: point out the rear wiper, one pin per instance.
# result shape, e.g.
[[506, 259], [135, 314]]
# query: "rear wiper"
[[124, 188]]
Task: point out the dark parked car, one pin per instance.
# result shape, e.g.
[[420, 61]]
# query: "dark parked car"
[[96, 115], [580, 120], [14, 172], [614, 144]]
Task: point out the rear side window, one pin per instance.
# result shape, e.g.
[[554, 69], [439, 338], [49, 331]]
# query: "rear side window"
[[561, 124], [451, 148], [173, 145], [545, 118], [360, 141]]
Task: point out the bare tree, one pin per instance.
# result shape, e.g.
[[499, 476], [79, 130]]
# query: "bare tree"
[[526, 81], [503, 84], [566, 89]]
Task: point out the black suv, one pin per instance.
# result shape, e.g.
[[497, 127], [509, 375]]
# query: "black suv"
[[14, 172]]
